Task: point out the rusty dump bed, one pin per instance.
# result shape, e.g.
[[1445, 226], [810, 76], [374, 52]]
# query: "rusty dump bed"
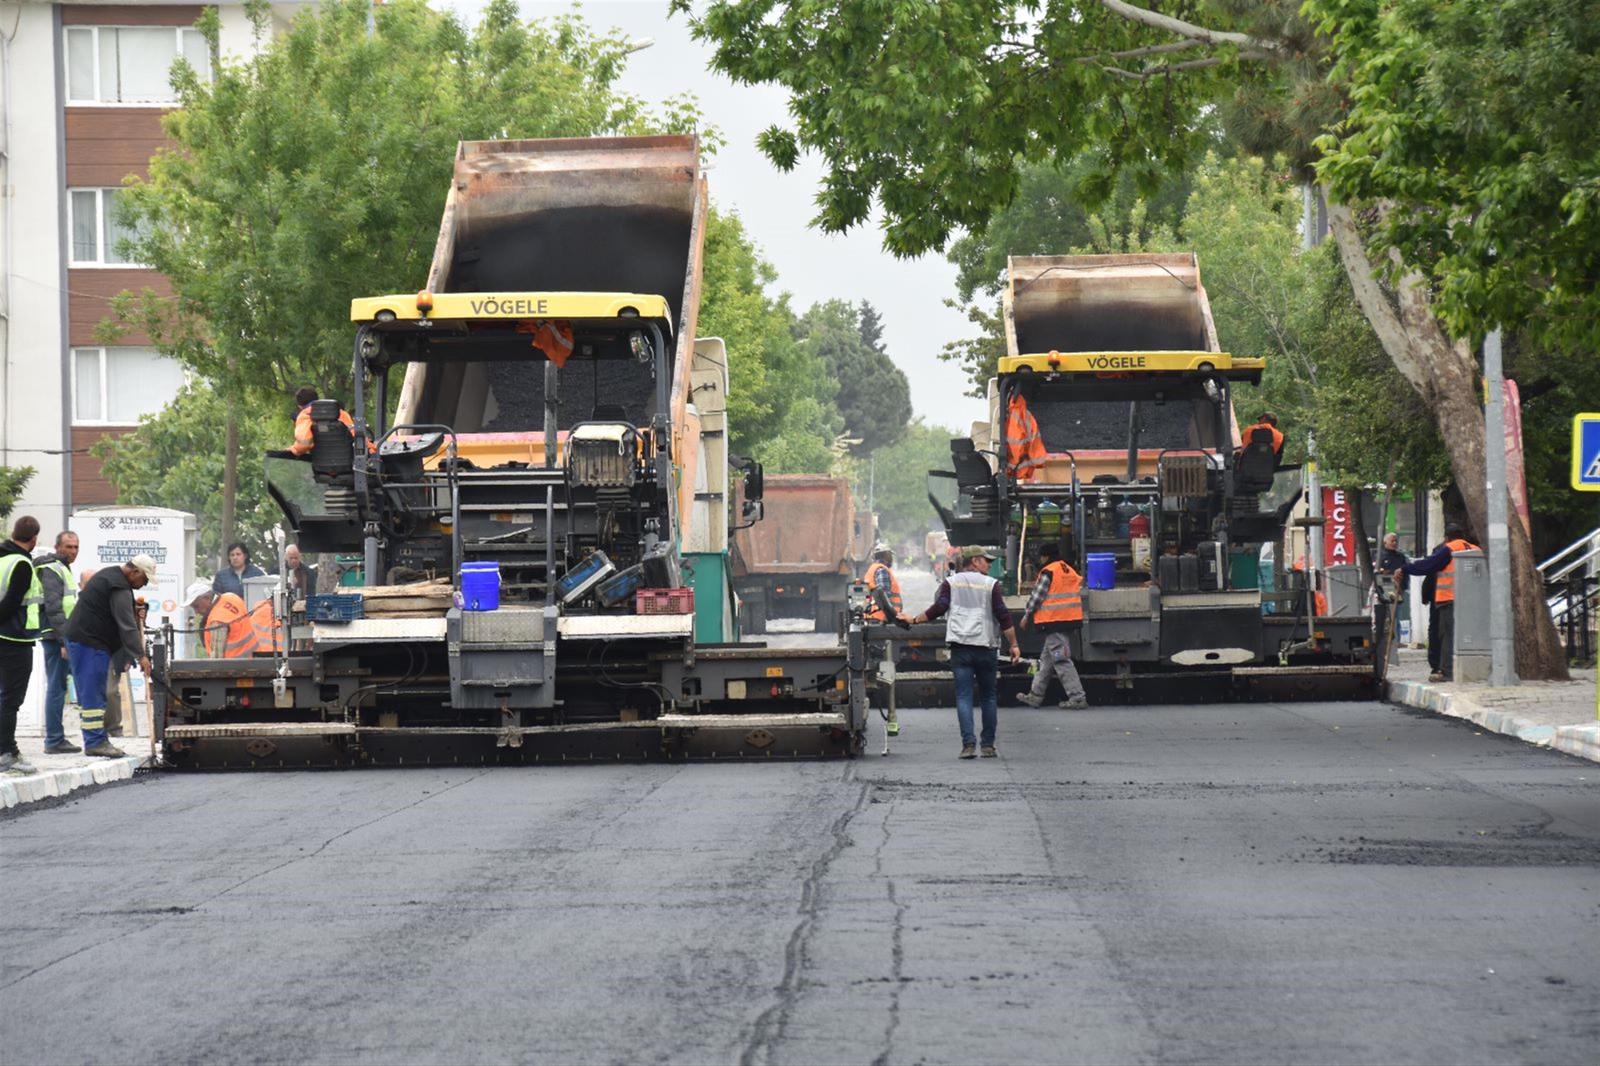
[[1107, 303], [808, 528], [612, 214]]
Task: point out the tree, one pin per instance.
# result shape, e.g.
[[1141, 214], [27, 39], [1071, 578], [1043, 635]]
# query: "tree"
[[930, 111], [899, 481], [175, 459], [13, 479], [874, 397], [314, 171], [870, 326]]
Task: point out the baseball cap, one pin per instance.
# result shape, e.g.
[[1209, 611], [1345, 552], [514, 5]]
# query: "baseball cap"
[[195, 590], [145, 563], [978, 551]]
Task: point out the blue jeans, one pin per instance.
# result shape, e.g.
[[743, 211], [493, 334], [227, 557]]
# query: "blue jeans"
[[89, 669], [973, 665], [56, 670]]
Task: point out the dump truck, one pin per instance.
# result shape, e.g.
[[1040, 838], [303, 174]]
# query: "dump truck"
[[544, 522], [1140, 478], [798, 561]]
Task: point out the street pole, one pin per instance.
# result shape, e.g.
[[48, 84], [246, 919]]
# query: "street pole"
[[1501, 649]]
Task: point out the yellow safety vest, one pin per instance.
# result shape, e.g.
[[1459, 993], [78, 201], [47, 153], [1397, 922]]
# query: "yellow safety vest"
[[32, 600], [69, 585]]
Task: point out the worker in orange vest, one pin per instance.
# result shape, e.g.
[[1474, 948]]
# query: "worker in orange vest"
[[1268, 422], [1442, 617], [264, 627], [225, 627], [883, 588], [1025, 451], [1056, 608], [1318, 595]]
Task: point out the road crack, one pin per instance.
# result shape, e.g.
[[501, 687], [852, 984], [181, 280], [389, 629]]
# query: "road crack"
[[770, 1024]]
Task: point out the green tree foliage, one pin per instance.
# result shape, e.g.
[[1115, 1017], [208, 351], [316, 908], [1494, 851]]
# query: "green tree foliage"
[[13, 479], [873, 397], [1477, 120], [175, 458], [899, 482], [781, 407]]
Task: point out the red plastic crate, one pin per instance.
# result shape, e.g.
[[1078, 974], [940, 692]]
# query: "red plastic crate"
[[664, 601]]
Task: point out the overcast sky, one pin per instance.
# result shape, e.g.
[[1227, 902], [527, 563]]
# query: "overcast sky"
[[777, 207]]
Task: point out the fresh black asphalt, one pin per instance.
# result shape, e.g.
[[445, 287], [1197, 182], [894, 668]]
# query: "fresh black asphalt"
[[1267, 883]]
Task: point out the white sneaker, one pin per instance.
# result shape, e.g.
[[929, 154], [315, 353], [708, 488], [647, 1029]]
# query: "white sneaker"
[[1030, 699], [14, 763]]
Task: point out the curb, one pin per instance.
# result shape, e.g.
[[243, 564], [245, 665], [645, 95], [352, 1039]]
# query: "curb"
[[1582, 740], [17, 789]]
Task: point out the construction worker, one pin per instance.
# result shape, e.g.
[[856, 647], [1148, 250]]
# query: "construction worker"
[[1268, 422], [884, 605], [1056, 608], [104, 622], [304, 397], [883, 588], [21, 607], [60, 596], [226, 629], [977, 619], [1025, 452], [1442, 613]]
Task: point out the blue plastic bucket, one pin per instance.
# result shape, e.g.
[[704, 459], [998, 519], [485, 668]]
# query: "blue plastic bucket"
[[1102, 570], [480, 586]]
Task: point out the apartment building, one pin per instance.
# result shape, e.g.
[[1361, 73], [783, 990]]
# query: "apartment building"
[[82, 91]]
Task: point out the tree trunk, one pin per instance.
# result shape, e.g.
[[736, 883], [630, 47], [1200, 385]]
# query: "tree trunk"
[[230, 477], [1445, 375]]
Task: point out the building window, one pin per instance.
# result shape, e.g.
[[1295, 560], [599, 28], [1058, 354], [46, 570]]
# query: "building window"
[[130, 64], [97, 228], [118, 386]]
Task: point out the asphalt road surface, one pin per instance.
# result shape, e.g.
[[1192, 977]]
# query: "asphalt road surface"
[[1220, 883]]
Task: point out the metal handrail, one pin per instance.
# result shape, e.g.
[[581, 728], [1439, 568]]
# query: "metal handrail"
[[1590, 539]]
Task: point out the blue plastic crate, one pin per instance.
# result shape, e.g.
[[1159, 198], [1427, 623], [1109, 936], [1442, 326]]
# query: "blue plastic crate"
[[335, 607]]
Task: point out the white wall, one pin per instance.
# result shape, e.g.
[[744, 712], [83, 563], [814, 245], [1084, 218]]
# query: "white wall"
[[32, 417]]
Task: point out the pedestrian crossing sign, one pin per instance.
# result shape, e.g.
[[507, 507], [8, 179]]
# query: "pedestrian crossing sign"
[[1586, 452]]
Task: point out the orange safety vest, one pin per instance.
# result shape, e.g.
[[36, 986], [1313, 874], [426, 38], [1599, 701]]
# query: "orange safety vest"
[[1277, 436], [1063, 602], [553, 338], [302, 429], [875, 613], [1024, 449], [1444, 587], [228, 633], [265, 631]]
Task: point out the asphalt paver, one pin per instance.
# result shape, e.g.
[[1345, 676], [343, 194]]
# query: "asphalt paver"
[[1211, 883]]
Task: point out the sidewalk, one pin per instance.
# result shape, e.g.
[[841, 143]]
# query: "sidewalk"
[[59, 775], [1551, 714]]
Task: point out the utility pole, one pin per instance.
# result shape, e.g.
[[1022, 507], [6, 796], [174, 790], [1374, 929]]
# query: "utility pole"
[[1501, 649]]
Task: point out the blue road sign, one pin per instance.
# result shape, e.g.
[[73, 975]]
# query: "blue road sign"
[[1586, 452]]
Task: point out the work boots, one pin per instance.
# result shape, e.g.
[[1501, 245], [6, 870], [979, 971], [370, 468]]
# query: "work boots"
[[106, 750], [1030, 699], [968, 751]]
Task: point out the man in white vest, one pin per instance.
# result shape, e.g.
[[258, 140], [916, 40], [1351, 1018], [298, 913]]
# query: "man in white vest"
[[975, 619]]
